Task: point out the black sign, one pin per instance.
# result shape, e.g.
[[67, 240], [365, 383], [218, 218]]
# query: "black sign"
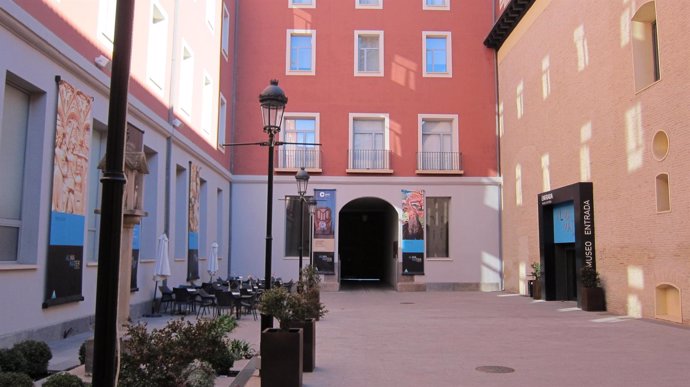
[[323, 262]]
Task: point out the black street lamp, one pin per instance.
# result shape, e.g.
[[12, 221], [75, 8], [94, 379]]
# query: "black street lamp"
[[273, 101], [302, 178], [312, 209]]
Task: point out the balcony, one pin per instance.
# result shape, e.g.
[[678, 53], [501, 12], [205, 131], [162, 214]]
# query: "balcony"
[[439, 163], [293, 159], [368, 161]]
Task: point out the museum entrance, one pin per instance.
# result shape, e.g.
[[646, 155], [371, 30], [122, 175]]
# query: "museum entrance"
[[565, 272], [366, 235]]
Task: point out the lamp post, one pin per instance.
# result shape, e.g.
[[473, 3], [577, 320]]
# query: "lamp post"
[[302, 178], [273, 101], [312, 209]]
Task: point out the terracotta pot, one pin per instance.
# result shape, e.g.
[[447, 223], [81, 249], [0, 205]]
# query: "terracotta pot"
[[309, 344], [281, 357], [536, 289]]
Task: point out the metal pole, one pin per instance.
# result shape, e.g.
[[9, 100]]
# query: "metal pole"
[[301, 233], [105, 331], [267, 319]]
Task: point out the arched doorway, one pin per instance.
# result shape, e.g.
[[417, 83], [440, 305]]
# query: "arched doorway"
[[367, 240]]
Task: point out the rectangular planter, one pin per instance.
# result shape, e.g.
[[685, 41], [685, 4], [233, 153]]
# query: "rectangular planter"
[[592, 299], [281, 357], [309, 345]]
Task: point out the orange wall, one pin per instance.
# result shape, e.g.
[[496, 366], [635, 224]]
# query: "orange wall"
[[402, 92]]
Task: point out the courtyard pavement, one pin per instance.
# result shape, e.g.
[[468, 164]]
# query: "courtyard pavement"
[[380, 337]]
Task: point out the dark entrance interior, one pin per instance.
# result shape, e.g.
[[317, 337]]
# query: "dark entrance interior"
[[565, 272], [367, 229]]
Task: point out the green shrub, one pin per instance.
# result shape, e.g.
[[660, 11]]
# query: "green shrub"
[[241, 349], [157, 358], [15, 379], [198, 374], [82, 353], [12, 360], [64, 379], [37, 355]]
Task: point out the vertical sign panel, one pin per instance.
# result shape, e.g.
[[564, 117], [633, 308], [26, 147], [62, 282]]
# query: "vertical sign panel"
[[193, 237], [413, 232], [324, 231], [68, 201]]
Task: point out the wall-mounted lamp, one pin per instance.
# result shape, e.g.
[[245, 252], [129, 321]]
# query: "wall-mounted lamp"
[[103, 62]]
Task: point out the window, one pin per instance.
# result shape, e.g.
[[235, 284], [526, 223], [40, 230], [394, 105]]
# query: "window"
[[437, 54], [13, 138], [292, 230], [436, 5], [149, 226], [300, 128], [645, 46], [302, 3], [300, 52], [369, 53], [106, 22], [663, 196], [225, 37], [369, 141], [222, 121], [438, 143], [204, 244], [157, 47], [373, 4], [220, 220], [93, 219], [437, 210], [211, 14], [186, 80], [206, 104]]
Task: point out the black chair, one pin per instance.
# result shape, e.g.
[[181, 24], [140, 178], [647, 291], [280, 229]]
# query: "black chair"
[[206, 302], [167, 297], [224, 302], [184, 302], [248, 303]]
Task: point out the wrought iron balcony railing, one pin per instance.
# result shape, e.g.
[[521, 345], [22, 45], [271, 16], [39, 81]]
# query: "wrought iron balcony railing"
[[368, 159], [300, 157], [439, 161]]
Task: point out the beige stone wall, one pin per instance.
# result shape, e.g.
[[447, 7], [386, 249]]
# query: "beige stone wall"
[[568, 112]]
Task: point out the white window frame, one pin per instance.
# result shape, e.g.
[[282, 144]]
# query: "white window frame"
[[380, 71], [449, 53], [157, 53], [222, 124], [210, 14], [225, 32], [455, 139], [207, 104], [291, 4], [386, 136], [359, 5], [431, 7], [106, 22], [185, 94], [288, 51], [283, 134]]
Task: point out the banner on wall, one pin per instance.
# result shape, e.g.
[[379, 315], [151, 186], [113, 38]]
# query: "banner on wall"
[[324, 231], [193, 233], [136, 235], [413, 232], [68, 201]]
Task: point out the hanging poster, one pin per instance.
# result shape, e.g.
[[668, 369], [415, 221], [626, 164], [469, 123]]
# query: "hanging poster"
[[324, 231], [68, 200], [193, 230], [412, 232], [136, 232]]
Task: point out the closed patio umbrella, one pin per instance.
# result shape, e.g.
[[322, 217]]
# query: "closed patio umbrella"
[[213, 260], [162, 269]]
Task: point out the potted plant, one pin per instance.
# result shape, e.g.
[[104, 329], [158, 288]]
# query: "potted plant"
[[307, 310], [591, 293], [281, 348], [536, 284]]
